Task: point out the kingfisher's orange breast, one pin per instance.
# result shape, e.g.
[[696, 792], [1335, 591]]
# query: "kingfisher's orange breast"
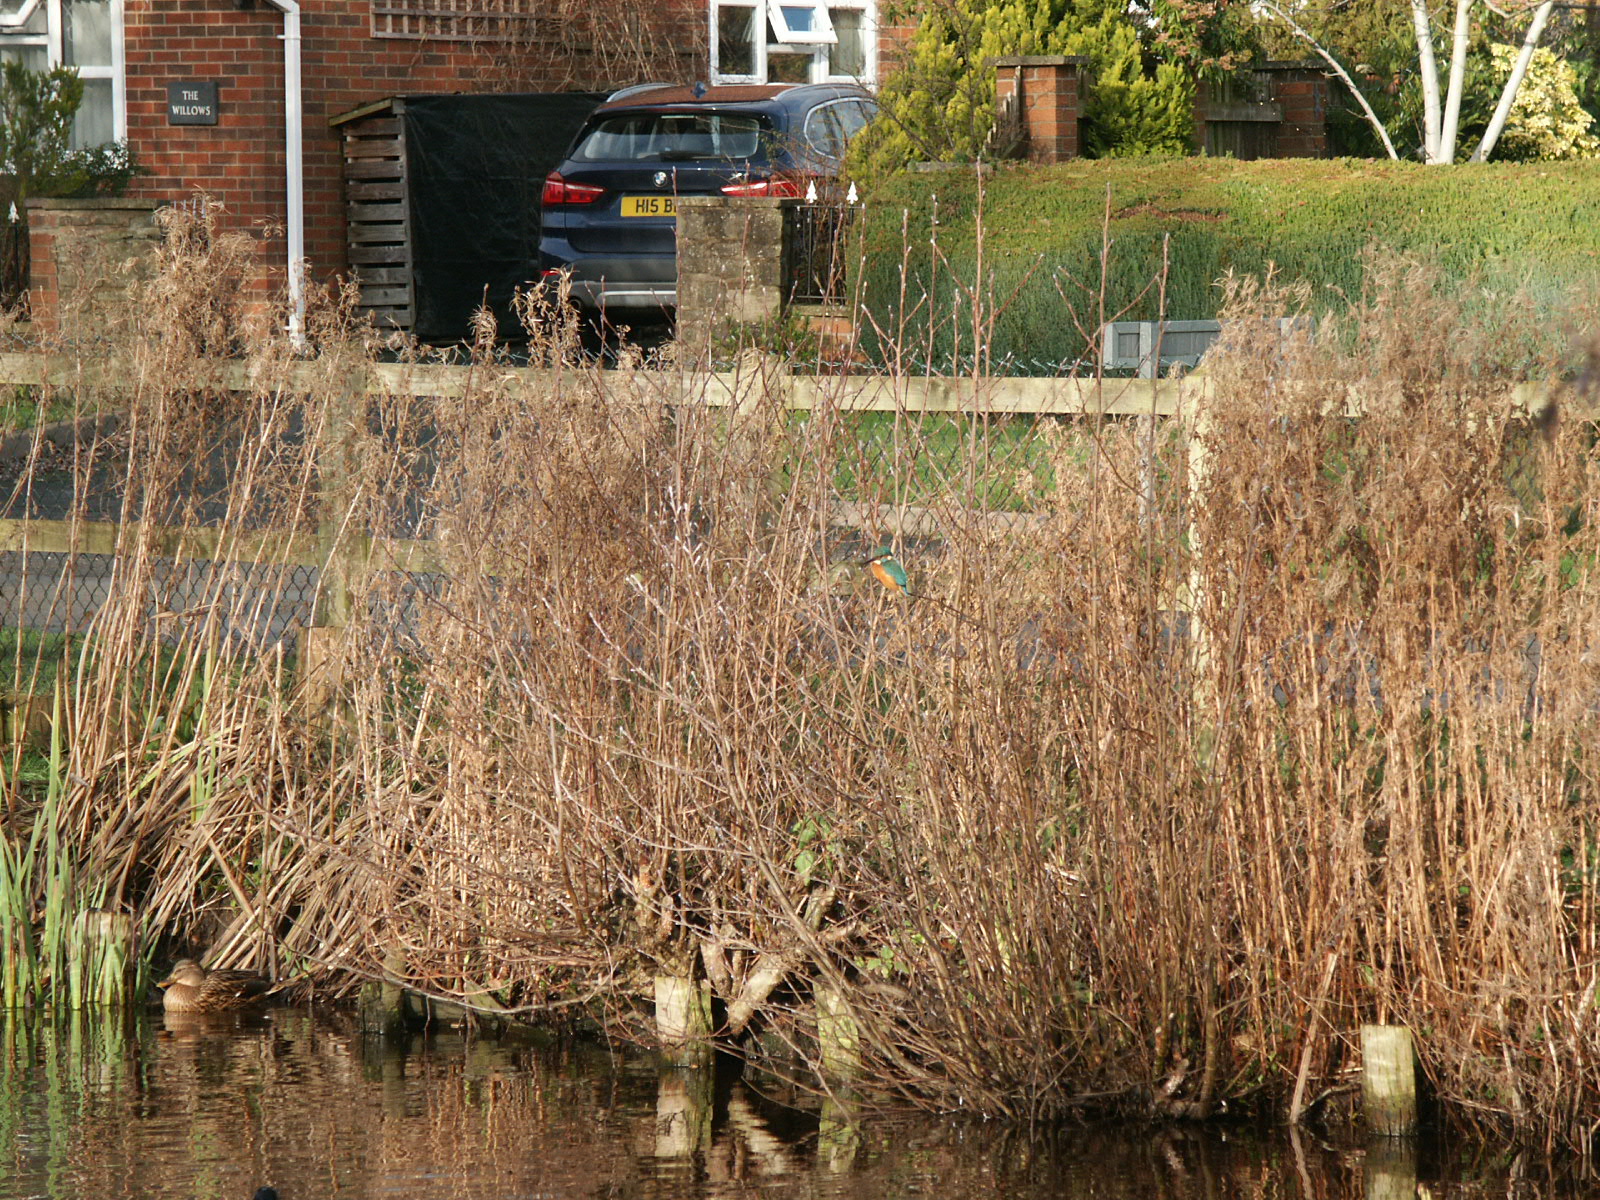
[[883, 577]]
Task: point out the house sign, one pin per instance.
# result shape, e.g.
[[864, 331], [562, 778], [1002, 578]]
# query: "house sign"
[[191, 102]]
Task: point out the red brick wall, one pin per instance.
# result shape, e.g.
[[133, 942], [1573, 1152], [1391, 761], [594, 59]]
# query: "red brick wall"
[[1303, 95], [240, 160], [894, 42], [1051, 104], [44, 276]]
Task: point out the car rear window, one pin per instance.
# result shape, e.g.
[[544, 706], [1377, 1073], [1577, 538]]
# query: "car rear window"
[[671, 137]]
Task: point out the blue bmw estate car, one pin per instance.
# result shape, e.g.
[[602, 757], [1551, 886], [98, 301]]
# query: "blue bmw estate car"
[[609, 208]]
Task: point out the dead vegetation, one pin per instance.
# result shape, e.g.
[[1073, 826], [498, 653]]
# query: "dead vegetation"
[[598, 48], [1147, 804]]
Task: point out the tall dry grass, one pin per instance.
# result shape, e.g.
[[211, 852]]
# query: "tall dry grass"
[[1146, 803]]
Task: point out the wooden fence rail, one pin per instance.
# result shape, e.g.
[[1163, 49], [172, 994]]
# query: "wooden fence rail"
[[334, 558], [1185, 398], [851, 393], [854, 393]]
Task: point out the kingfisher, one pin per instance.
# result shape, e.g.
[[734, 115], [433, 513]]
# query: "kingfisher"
[[887, 570]]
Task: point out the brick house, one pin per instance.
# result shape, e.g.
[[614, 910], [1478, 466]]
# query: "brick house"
[[239, 99], [208, 92]]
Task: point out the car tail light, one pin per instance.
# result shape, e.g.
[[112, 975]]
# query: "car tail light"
[[558, 191], [777, 186]]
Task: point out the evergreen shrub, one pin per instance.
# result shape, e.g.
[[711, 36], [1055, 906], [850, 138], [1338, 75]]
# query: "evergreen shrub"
[[1032, 303]]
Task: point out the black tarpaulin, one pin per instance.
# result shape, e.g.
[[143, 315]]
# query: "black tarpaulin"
[[475, 166]]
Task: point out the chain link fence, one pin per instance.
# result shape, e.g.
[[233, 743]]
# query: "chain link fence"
[[255, 607], [996, 463]]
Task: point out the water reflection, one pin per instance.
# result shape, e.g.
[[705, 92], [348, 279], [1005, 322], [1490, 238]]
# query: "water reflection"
[[211, 1108]]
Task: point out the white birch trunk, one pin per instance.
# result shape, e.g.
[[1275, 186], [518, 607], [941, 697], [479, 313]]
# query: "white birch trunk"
[[1451, 122], [1429, 71], [1441, 115], [1519, 70]]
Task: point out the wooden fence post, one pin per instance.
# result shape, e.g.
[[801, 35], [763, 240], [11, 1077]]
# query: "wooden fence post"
[[1389, 1080], [1194, 412], [386, 1006], [341, 552], [683, 1018], [838, 1035]]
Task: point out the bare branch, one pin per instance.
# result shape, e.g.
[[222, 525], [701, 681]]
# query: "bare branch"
[[1299, 31]]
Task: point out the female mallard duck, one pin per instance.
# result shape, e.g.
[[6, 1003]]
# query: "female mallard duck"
[[190, 988]]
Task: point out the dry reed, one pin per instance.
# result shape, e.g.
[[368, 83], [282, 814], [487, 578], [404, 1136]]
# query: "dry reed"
[[1146, 803]]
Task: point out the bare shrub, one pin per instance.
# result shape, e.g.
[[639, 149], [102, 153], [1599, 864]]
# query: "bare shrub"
[[1145, 799], [634, 41]]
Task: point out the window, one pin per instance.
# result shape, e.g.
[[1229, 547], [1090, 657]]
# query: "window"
[[847, 57], [670, 137], [86, 34], [768, 41], [91, 36], [801, 24], [734, 40], [829, 127]]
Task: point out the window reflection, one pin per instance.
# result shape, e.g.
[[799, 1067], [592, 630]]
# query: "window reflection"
[[35, 58], [736, 40], [799, 18], [37, 24], [788, 68], [10, 8], [88, 32], [849, 55], [94, 125]]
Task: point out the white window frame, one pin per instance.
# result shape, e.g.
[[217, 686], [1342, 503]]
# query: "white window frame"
[[54, 40], [810, 44], [758, 57], [869, 45], [820, 34]]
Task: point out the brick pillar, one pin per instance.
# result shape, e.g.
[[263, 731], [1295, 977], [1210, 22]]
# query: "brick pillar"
[[85, 255], [1301, 90], [1043, 92]]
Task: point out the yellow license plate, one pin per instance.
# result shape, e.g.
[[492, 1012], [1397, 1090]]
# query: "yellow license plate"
[[648, 206]]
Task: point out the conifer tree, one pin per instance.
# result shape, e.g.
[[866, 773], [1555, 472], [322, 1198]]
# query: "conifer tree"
[[1133, 111], [940, 105]]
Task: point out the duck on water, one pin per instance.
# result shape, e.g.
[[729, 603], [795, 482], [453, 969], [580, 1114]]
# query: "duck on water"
[[190, 988]]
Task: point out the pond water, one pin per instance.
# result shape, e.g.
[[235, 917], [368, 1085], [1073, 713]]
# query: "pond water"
[[208, 1110]]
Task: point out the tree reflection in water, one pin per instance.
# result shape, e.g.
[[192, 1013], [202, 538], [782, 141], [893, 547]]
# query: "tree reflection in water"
[[212, 1108]]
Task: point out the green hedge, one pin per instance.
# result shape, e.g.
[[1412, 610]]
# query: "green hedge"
[[1503, 226]]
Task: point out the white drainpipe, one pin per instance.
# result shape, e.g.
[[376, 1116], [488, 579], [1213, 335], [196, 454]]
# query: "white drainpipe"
[[294, 164]]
